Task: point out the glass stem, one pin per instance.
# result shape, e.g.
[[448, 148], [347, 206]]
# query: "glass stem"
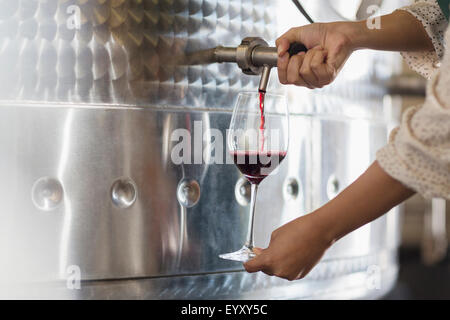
[[250, 234]]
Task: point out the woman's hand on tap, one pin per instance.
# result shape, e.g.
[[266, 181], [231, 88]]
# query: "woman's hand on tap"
[[329, 44]]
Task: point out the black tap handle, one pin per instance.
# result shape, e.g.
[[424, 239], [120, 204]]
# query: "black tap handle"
[[295, 48]]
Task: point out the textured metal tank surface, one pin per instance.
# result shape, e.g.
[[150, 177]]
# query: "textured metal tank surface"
[[91, 94], [125, 52]]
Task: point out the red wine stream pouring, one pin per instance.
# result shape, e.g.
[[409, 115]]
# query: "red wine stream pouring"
[[263, 118]]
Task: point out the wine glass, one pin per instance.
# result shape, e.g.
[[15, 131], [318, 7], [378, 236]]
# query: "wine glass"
[[257, 140]]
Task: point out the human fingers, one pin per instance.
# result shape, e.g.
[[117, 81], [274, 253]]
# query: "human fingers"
[[282, 66], [293, 71], [292, 35], [256, 264], [323, 72], [282, 46], [306, 71]]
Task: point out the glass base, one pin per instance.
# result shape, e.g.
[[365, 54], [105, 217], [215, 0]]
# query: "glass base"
[[243, 255]]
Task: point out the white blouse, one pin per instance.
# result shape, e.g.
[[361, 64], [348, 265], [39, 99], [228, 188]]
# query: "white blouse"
[[430, 15], [418, 153]]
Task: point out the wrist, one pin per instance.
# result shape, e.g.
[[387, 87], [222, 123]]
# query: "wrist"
[[325, 226], [356, 33]]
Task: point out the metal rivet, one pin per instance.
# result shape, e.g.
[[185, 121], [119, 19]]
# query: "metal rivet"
[[332, 187], [291, 189], [188, 193], [242, 191], [123, 193], [47, 193]]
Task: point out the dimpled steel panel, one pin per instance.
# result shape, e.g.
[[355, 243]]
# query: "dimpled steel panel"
[[123, 51]]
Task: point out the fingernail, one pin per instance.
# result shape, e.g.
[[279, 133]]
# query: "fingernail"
[[279, 50], [284, 57]]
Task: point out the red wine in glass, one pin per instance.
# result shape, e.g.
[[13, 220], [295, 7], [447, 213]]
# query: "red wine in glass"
[[258, 141], [256, 165]]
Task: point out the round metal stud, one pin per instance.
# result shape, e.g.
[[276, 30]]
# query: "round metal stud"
[[47, 193], [291, 189], [332, 187], [188, 193], [242, 191], [123, 193]]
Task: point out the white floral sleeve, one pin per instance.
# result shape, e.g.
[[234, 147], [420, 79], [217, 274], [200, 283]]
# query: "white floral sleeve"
[[430, 15], [418, 154]]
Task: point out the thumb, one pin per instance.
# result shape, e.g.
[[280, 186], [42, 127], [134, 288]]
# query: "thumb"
[[283, 46], [257, 263], [292, 35], [258, 251]]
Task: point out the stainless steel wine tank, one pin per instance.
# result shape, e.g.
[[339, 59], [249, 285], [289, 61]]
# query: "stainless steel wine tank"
[[90, 96]]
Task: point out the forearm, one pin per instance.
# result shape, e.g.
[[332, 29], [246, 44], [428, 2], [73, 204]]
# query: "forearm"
[[369, 197], [399, 31]]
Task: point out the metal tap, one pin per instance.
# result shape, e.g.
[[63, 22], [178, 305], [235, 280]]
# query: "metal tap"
[[253, 56]]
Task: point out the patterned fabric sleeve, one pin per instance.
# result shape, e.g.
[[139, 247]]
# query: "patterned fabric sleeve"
[[432, 18], [418, 154]]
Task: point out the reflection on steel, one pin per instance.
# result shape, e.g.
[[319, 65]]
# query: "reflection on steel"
[[91, 93], [47, 194], [123, 193], [157, 237], [339, 279], [188, 193], [242, 191]]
